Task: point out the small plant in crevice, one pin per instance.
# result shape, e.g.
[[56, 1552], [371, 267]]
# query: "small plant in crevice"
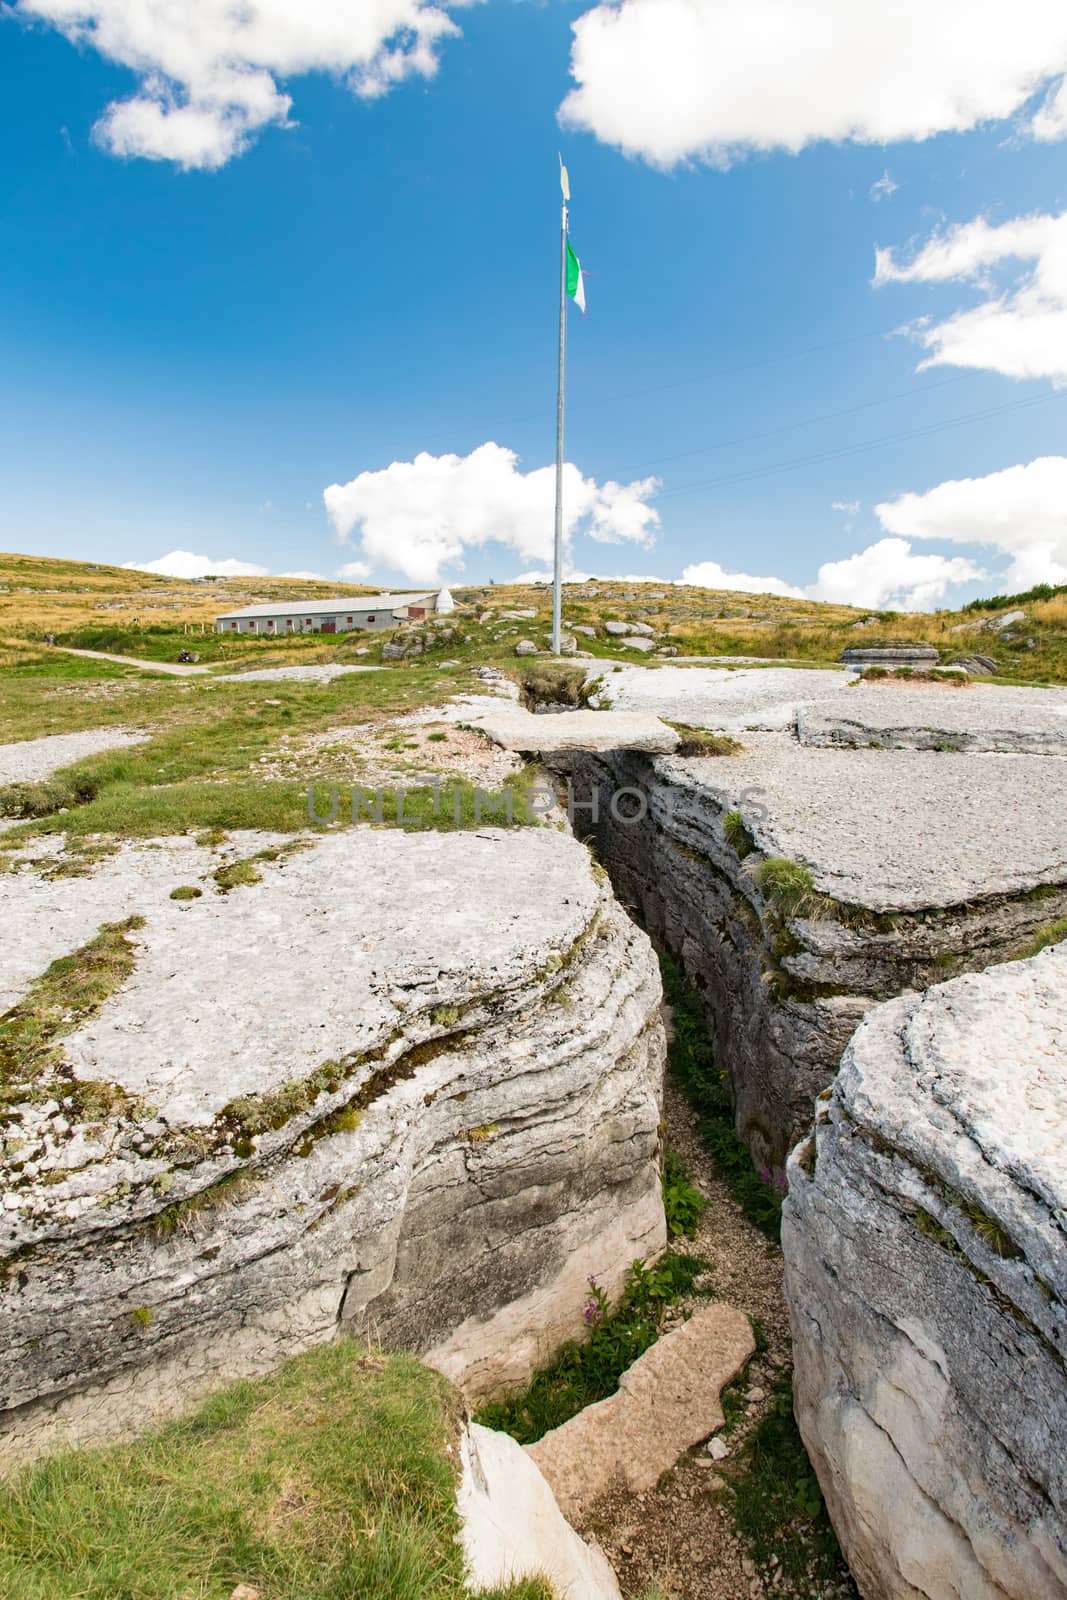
[[691, 1062], [589, 1369], [788, 884], [682, 1203], [737, 835], [702, 742]]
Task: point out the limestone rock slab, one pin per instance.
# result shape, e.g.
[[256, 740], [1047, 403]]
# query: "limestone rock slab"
[[578, 730], [666, 1402], [718, 698], [407, 1085], [926, 1276], [985, 718], [513, 1528]]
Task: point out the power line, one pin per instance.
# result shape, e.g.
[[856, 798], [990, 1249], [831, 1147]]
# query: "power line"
[[803, 422], [858, 449]]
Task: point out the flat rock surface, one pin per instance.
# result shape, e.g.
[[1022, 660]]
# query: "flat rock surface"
[[979, 718], [665, 1403], [764, 698], [33, 759], [182, 1031], [578, 730], [311, 674], [898, 829]]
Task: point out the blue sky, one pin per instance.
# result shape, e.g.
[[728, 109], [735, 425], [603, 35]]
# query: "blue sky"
[[193, 354]]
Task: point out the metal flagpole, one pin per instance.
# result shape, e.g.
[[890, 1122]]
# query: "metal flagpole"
[[557, 584]]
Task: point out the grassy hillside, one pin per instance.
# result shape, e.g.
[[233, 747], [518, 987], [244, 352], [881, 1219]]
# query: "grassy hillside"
[[333, 1478], [129, 613]]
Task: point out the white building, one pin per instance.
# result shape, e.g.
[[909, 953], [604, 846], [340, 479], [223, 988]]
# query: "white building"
[[374, 611]]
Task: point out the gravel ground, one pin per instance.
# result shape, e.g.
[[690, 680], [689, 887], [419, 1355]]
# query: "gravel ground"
[[322, 674], [386, 753], [681, 1536], [33, 759]]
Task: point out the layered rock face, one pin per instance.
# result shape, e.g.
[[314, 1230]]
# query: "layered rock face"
[[917, 865], [927, 1283], [405, 1084]]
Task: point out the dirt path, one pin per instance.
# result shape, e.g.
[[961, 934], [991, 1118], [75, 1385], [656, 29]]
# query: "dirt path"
[[171, 668], [680, 1540]]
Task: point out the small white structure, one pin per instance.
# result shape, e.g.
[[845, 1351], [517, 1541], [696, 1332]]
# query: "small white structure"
[[341, 615]]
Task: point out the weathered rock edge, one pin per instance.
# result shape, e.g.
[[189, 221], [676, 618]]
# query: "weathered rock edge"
[[782, 992], [926, 1276], [449, 1189], [513, 1528]]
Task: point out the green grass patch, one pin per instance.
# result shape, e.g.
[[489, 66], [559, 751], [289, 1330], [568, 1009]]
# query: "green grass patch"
[[737, 835], [1049, 933], [331, 1479], [702, 742], [682, 1203], [42, 799], [186, 891], [691, 1062], [778, 1505], [68, 994], [590, 1369], [787, 884]]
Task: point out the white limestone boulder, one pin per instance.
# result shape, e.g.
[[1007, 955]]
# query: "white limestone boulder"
[[926, 1276], [512, 1527], [407, 1086]]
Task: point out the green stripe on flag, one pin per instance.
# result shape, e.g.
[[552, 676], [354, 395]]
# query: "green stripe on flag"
[[575, 283]]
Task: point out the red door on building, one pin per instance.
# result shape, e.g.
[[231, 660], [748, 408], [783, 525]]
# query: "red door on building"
[[328, 627]]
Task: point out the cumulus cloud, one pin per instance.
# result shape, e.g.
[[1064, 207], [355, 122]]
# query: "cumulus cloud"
[[886, 574], [675, 80], [209, 70], [1021, 511], [1020, 328], [184, 564], [710, 575], [419, 517], [889, 575]]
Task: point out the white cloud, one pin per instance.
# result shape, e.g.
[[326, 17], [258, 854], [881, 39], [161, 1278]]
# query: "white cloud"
[[1021, 511], [184, 564], [209, 70], [355, 571], [419, 517], [850, 507], [312, 577], [671, 80], [571, 575], [709, 575], [1020, 329], [883, 189], [886, 574], [889, 575]]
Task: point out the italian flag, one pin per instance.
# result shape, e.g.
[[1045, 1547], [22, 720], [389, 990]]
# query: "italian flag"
[[575, 283]]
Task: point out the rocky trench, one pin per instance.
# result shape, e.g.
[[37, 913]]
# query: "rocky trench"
[[924, 1225], [501, 1111]]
